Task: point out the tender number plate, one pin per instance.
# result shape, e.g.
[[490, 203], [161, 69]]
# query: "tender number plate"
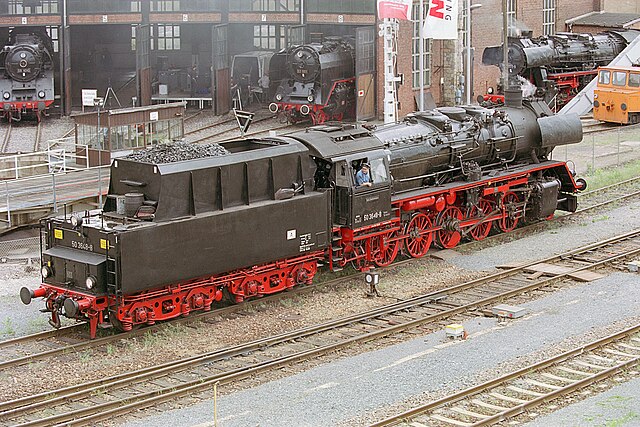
[[81, 245]]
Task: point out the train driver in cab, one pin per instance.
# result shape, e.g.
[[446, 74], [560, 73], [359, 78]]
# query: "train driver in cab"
[[363, 177]]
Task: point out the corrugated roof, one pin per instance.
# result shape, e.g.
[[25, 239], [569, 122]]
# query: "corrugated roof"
[[605, 19]]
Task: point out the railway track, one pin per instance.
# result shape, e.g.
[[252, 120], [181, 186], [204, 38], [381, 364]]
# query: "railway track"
[[36, 145], [91, 402], [232, 128], [50, 343], [7, 138], [512, 394], [68, 133], [591, 125]]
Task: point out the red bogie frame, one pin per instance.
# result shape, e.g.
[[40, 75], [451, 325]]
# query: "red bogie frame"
[[24, 108], [180, 299]]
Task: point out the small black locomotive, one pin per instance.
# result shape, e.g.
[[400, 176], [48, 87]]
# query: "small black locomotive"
[[26, 74], [560, 65], [314, 81], [263, 215]]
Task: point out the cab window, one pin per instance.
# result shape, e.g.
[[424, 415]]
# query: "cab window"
[[634, 80], [605, 77], [379, 171], [619, 78]]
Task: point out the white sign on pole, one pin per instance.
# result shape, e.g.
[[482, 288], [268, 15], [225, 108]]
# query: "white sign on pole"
[[442, 20], [88, 95], [395, 9]]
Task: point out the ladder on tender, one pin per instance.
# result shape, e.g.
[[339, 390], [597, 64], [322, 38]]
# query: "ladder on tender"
[[582, 103], [112, 270]]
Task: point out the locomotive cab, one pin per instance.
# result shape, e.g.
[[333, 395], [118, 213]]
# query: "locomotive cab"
[[366, 204], [339, 152]]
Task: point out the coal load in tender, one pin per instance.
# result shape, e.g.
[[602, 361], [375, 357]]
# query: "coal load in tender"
[[176, 152]]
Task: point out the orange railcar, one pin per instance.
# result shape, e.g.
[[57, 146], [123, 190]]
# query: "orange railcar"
[[617, 95]]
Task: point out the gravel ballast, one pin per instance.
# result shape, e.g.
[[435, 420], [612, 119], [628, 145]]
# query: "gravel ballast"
[[333, 394]]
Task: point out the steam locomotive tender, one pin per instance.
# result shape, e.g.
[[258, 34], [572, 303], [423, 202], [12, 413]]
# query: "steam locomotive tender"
[[560, 65], [314, 81], [26, 75], [264, 216]]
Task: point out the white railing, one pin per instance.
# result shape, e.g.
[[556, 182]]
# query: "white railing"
[[71, 159], [61, 155]]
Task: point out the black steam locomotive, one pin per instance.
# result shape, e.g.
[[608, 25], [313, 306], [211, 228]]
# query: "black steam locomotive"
[[314, 81], [26, 74], [561, 65], [262, 216]]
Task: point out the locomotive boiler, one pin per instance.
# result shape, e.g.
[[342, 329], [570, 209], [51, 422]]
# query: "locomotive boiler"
[[314, 81], [26, 74], [560, 65], [264, 214]]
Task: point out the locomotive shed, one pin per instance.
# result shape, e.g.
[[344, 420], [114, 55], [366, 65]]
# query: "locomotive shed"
[[459, 195]]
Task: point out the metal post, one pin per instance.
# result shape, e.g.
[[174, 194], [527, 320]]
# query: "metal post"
[[505, 47], [15, 162], [53, 188], [467, 37], [6, 188], [421, 41], [469, 65], [99, 102], [618, 161], [593, 154], [215, 403]]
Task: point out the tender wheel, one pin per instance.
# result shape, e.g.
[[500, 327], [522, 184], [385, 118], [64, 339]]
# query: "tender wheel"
[[384, 249], [418, 240], [119, 326], [449, 219], [481, 231], [510, 212]]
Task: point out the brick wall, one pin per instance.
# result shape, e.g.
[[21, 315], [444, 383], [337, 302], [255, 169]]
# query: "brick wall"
[[120, 18], [17, 21], [621, 6]]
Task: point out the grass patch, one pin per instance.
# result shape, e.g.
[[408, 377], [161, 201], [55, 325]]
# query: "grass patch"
[[37, 324], [85, 356], [607, 176], [7, 327], [615, 402], [627, 419]]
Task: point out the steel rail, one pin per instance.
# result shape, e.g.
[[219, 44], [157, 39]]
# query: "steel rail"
[[198, 316], [610, 186], [515, 410], [222, 132], [41, 335], [7, 138], [89, 415], [36, 145]]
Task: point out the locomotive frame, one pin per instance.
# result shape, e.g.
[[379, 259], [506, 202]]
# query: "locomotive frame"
[[263, 217], [560, 65], [314, 81], [26, 75]]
